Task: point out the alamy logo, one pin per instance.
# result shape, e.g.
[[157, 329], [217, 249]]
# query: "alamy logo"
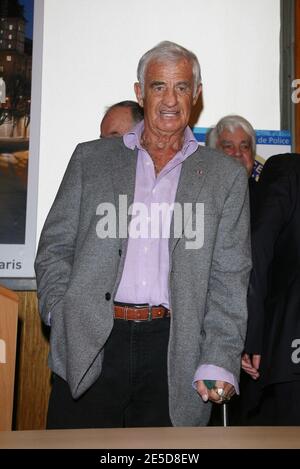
[[296, 93], [296, 353], [2, 351], [152, 222]]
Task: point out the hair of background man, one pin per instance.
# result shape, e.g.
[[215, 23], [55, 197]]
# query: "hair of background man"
[[230, 123], [167, 51], [137, 111]]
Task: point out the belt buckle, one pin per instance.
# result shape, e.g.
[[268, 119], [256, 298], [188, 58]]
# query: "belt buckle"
[[149, 313]]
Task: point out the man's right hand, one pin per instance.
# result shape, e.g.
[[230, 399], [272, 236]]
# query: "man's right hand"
[[250, 364], [227, 391]]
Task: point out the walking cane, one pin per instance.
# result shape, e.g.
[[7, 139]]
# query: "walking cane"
[[210, 385]]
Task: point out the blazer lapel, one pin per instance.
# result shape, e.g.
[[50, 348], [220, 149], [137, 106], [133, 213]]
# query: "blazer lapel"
[[193, 174]]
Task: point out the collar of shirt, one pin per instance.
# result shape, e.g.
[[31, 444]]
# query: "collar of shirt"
[[133, 138]]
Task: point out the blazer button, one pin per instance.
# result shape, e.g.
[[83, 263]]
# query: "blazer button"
[[120, 252], [107, 296]]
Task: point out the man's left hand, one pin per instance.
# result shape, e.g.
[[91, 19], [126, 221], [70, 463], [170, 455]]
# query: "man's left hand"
[[219, 394]]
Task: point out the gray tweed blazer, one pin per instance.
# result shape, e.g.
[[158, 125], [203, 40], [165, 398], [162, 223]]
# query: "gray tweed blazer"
[[78, 273]]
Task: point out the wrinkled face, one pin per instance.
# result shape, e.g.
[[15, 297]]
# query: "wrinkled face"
[[238, 145], [116, 122], [168, 96]]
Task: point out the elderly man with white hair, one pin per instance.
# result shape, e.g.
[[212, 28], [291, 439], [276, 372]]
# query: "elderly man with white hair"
[[235, 137], [139, 324]]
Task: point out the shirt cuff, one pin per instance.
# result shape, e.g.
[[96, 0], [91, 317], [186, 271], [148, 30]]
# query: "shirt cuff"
[[216, 373]]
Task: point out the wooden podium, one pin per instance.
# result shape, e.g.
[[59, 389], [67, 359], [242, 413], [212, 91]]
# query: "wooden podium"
[[8, 339], [183, 438]]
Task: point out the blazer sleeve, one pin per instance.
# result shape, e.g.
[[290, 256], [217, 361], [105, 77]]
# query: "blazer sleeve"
[[226, 308], [273, 212], [54, 260]]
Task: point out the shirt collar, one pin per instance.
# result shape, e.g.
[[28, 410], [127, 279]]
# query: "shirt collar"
[[132, 139]]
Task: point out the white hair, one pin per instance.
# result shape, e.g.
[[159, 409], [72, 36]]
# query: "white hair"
[[231, 123], [168, 51]]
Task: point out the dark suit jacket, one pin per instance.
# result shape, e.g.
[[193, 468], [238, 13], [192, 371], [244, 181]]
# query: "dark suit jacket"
[[274, 292]]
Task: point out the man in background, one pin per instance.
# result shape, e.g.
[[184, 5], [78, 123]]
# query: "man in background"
[[235, 137], [120, 118]]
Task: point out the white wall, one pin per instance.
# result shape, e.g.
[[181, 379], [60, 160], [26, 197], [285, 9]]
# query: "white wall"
[[91, 49]]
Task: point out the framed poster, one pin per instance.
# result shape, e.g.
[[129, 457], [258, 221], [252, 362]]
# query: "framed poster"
[[20, 91]]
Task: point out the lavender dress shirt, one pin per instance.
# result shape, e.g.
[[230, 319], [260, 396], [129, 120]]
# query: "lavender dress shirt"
[[146, 270]]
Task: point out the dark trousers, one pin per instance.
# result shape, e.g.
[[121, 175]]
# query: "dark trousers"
[[132, 390], [279, 405]]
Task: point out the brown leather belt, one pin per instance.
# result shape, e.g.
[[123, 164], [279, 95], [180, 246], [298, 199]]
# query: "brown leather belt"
[[140, 313]]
